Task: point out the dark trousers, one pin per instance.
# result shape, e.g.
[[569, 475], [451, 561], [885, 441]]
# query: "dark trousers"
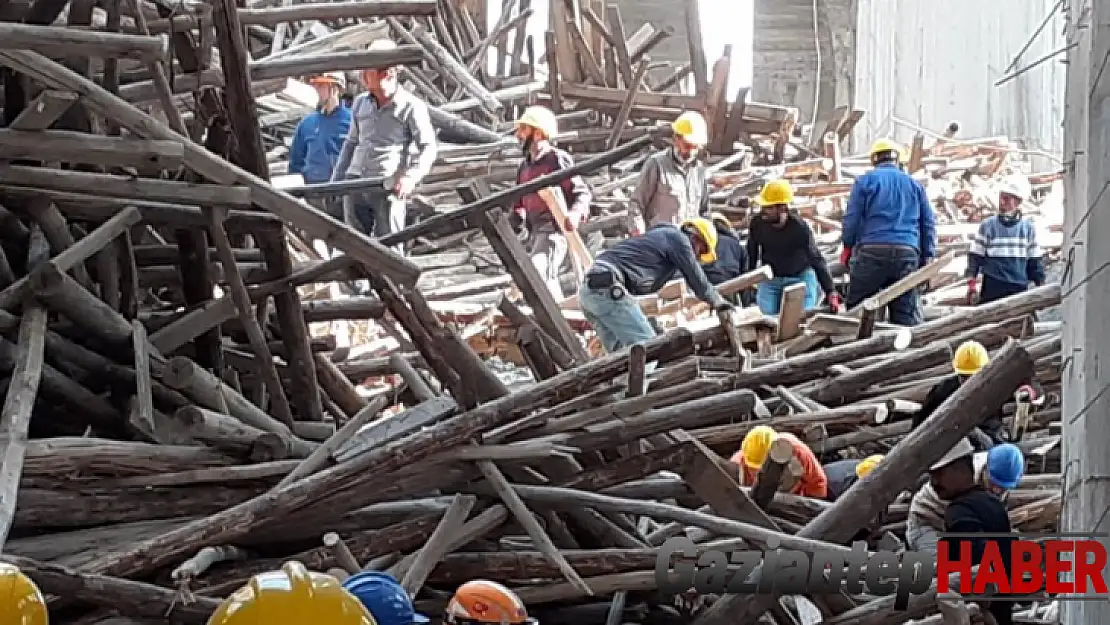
[[876, 267], [377, 214], [997, 289]]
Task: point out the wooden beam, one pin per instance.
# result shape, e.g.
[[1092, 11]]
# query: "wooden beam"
[[44, 110], [79, 147]]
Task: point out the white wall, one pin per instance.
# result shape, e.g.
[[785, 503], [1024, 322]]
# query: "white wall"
[[931, 62]]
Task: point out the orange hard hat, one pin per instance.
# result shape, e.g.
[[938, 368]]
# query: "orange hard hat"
[[483, 601]]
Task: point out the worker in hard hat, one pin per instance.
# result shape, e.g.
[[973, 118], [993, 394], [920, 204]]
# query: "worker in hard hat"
[[674, 184], [291, 595], [319, 136], [1005, 249], [842, 474], [964, 495], [780, 238], [969, 358], [756, 446], [546, 246], [641, 266], [21, 602], [889, 232], [732, 256], [483, 601], [384, 598], [391, 139]]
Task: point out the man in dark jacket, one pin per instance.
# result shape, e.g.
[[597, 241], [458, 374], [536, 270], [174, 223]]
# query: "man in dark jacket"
[[842, 474], [889, 232], [640, 266], [970, 357], [732, 258]]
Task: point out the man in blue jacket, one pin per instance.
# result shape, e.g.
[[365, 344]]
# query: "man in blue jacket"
[[641, 266], [889, 231], [319, 136]]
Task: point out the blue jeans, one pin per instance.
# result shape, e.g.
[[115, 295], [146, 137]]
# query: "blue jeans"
[[619, 323], [768, 295], [876, 267]]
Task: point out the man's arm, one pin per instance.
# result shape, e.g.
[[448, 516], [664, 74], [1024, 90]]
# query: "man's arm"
[[928, 225], [753, 251], [424, 137], [575, 190], [1034, 265], [298, 150], [960, 519], [336, 141], [645, 190], [343, 163], [815, 483], [683, 257], [703, 208], [853, 216], [977, 252]]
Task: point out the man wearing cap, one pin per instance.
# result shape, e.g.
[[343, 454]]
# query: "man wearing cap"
[[732, 258], [842, 474], [674, 185], [392, 139], [319, 136], [546, 245]]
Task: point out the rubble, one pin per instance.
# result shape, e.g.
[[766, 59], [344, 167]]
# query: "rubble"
[[197, 391]]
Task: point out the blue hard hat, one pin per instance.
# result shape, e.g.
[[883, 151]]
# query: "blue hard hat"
[[1005, 465], [386, 600]]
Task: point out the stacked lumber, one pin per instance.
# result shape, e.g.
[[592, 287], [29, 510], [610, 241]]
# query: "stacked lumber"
[[186, 396]]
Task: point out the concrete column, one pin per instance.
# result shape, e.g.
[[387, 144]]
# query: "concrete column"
[[1086, 287]]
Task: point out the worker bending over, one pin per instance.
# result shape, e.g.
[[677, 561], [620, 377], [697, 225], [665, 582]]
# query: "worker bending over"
[[291, 596], [21, 601], [889, 232], [384, 598], [674, 185], [732, 258], [783, 240], [483, 601], [842, 474], [969, 358], [1005, 250], [546, 245], [640, 266], [755, 448], [391, 138]]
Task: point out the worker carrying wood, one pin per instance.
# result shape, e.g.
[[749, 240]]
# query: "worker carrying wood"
[[319, 137], [546, 244], [391, 138], [888, 232], [780, 238], [732, 257], [21, 601], [674, 184], [640, 266], [756, 446], [1005, 249], [384, 598], [291, 595], [969, 358], [842, 474], [483, 601]]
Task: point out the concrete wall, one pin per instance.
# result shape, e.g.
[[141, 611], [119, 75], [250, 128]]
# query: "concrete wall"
[[932, 62], [787, 59]]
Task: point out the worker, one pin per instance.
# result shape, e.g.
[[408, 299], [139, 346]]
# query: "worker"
[[732, 258], [783, 240], [388, 125], [21, 602], [961, 496], [546, 245], [755, 448], [291, 595], [641, 266], [384, 598], [1005, 249], [483, 601], [842, 474], [889, 232], [674, 184], [969, 358], [319, 136]]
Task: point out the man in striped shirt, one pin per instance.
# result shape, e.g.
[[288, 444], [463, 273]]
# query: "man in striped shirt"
[[1005, 250]]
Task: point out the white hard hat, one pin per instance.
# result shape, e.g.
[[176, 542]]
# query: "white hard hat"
[[381, 45], [1016, 185]]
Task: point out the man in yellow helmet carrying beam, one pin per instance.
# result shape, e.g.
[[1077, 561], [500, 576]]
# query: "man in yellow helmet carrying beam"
[[674, 184]]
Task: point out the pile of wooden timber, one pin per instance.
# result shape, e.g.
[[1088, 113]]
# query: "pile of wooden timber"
[[162, 443]]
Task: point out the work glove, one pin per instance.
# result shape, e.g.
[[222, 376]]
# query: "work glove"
[[516, 219], [836, 303], [845, 256], [972, 288]]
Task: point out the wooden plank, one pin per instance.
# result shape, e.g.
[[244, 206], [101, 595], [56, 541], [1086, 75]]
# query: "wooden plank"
[[792, 312], [397, 426], [44, 110]]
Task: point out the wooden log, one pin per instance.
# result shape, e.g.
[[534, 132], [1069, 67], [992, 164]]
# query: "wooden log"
[[343, 309], [337, 386], [772, 473], [219, 431], [124, 186], [458, 72], [438, 543], [77, 147], [61, 42], [363, 9], [334, 61], [18, 406], [319, 458]]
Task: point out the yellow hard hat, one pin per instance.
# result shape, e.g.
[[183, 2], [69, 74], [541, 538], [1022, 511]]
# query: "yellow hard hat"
[[292, 595], [708, 233], [721, 219], [885, 145], [541, 118], [970, 357], [691, 126], [775, 192], [867, 465], [756, 446], [21, 603]]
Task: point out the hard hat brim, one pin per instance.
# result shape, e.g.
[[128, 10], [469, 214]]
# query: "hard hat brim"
[[965, 370]]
